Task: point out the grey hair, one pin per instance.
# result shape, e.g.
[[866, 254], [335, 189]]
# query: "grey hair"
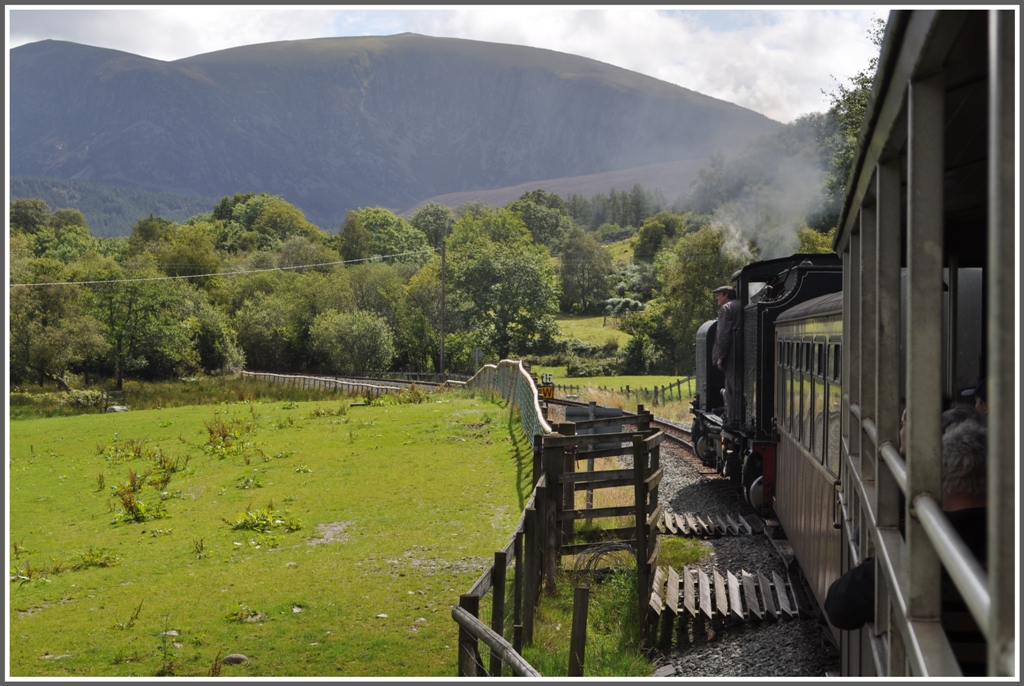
[[964, 468], [957, 414]]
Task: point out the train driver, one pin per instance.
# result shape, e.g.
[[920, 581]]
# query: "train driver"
[[730, 319]]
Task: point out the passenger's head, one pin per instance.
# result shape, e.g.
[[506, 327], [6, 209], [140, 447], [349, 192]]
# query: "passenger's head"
[[964, 469], [957, 414], [980, 395]]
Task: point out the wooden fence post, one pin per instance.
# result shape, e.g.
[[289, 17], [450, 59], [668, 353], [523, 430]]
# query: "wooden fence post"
[[538, 454], [568, 501], [578, 638], [554, 461], [498, 605], [517, 600], [643, 581], [530, 576], [468, 650]]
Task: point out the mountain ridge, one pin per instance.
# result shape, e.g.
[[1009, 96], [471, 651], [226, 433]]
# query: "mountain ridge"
[[332, 124]]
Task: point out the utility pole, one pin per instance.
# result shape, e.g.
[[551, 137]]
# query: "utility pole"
[[443, 302]]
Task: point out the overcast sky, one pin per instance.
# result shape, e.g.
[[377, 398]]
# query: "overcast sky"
[[776, 61]]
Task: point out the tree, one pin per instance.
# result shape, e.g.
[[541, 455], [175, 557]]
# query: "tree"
[[392, 235], [507, 281], [848, 105], [703, 263], [354, 240], [544, 216], [189, 250], [352, 341], [584, 271], [299, 250], [142, 319], [49, 332], [435, 221], [279, 220], [67, 217], [29, 214], [148, 233], [812, 241]]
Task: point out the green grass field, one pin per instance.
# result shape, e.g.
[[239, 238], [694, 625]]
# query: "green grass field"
[[366, 523], [591, 329]]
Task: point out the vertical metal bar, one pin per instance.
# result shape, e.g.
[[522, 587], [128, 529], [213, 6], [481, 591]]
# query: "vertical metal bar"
[[846, 419], [854, 341], [887, 368], [926, 115], [868, 333], [1002, 246]]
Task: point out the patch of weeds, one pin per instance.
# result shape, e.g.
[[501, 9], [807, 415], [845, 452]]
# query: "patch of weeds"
[[246, 481], [322, 412], [290, 406], [27, 573], [101, 481], [121, 626], [96, 557], [285, 422], [167, 665], [17, 550], [132, 508], [264, 541], [215, 666], [199, 548], [303, 469], [264, 520], [243, 613]]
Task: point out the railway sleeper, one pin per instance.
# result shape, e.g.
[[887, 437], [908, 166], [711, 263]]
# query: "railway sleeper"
[[695, 605], [703, 526]]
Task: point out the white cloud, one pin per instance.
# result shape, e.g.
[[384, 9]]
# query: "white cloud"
[[776, 64], [772, 61]]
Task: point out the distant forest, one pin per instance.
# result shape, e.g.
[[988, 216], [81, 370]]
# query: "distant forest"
[[111, 210]]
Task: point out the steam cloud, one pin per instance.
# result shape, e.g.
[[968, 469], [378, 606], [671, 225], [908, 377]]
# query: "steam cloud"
[[770, 217]]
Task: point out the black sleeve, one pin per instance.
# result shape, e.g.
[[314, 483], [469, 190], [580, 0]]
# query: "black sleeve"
[[850, 602]]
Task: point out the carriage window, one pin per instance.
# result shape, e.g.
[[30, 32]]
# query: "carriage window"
[[819, 360], [817, 417], [837, 363], [835, 397]]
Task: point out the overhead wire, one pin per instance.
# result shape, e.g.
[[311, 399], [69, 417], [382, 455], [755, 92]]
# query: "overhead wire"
[[231, 273]]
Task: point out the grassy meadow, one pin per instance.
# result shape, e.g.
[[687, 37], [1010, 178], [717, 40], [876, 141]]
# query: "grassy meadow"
[[315, 538], [591, 329]]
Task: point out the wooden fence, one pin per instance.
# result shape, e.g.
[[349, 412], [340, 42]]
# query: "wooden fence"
[[545, 530], [327, 383], [659, 395]]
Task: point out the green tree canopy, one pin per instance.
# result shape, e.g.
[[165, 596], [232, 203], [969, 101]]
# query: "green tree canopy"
[[29, 214], [584, 271], [352, 342], [435, 221], [703, 262]]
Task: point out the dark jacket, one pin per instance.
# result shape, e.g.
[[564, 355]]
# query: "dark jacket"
[[729, 320]]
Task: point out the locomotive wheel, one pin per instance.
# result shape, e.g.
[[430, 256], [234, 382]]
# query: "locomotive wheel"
[[701, 447], [753, 469]]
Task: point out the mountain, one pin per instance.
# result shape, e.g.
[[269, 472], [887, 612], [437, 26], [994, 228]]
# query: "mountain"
[[338, 123]]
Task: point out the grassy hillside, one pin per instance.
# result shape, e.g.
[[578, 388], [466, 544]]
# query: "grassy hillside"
[[314, 538], [592, 329]]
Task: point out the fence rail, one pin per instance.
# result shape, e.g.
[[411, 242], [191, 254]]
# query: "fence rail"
[[658, 395]]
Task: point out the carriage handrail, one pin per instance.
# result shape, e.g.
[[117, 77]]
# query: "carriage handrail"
[[970, 579], [897, 465]]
